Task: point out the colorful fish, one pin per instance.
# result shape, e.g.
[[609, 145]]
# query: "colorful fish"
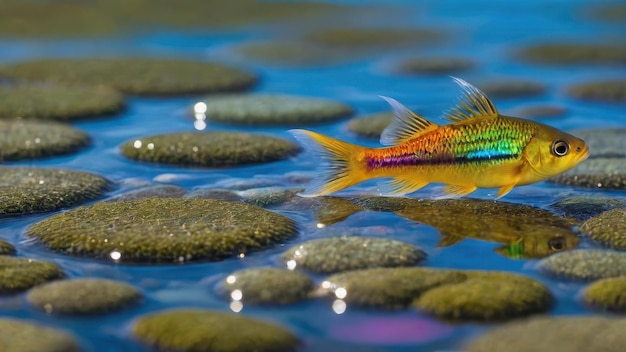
[[480, 149]]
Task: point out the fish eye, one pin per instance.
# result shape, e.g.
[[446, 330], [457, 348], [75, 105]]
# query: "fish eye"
[[560, 147], [556, 244]]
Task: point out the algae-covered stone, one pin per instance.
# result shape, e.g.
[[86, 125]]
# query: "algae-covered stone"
[[604, 142], [58, 102], [21, 139], [209, 149], [219, 194], [370, 126], [163, 230], [291, 53], [512, 88], [585, 207], [82, 296], [608, 228], [267, 286], [29, 190], [274, 109], [389, 288], [545, 333], [336, 254], [146, 76], [269, 196], [603, 173], [203, 330], [606, 90], [585, 264], [160, 191], [615, 12], [6, 248], [20, 274], [607, 294], [434, 65], [574, 53], [370, 38], [486, 296], [22, 336], [540, 111]]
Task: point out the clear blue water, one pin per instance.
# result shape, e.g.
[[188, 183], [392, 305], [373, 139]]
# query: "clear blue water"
[[486, 31]]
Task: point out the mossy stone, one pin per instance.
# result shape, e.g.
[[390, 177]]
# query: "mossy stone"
[[291, 53], [219, 194], [203, 330], [20, 274], [58, 102], [539, 111], [336, 254], [601, 173], [604, 142], [6, 248], [608, 228], [371, 38], [545, 333], [434, 65], [269, 286], [274, 110], [585, 207], [22, 336], [141, 76], [370, 126], [512, 88], [163, 230], [585, 264], [269, 196], [574, 53], [486, 296], [21, 139], [82, 296], [156, 191], [26, 190], [610, 12], [607, 294], [209, 149], [606, 90], [389, 288]]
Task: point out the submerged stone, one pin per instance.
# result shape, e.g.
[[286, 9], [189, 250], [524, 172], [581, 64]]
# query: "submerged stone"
[[58, 102], [6, 248], [604, 142], [434, 65], [21, 139], [512, 88], [370, 126], [585, 207], [585, 264], [608, 90], [372, 38], [209, 149], [29, 190], [82, 296], [274, 110], [545, 333], [291, 53], [20, 274], [156, 191], [602, 173], [269, 196], [215, 193], [22, 335], [615, 12], [574, 53], [336, 254], [203, 330], [145, 76], [607, 294], [163, 230], [540, 111], [267, 286], [608, 228]]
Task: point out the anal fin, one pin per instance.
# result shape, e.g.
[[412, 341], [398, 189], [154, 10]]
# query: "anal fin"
[[504, 190], [456, 191], [400, 186]]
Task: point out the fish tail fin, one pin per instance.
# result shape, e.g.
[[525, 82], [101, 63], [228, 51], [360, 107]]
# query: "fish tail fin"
[[340, 166]]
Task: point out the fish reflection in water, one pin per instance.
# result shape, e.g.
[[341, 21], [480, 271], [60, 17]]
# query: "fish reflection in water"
[[524, 231]]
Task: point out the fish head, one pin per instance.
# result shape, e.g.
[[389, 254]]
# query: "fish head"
[[551, 152]]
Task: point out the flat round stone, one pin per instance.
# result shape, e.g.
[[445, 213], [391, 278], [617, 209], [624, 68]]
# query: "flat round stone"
[[370, 126], [370, 38], [6, 248], [20, 274], [434, 65], [22, 335], [607, 90], [269, 286], [585, 264], [608, 228], [607, 294], [512, 88], [574, 53], [602, 173]]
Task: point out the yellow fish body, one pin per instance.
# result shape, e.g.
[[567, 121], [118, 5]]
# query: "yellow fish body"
[[480, 149]]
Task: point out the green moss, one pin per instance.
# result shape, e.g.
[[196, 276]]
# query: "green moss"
[[163, 230], [434, 65], [603, 173], [20, 274], [268, 286], [607, 294], [512, 88], [145, 76], [606, 90], [82, 296], [370, 126], [585, 264], [573, 53], [209, 149], [604, 142], [330, 255], [21, 335], [30, 139], [199, 330], [585, 207], [274, 110], [370, 38], [58, 103], [30, 190], [486, 296], [608, 228], [6, 248]]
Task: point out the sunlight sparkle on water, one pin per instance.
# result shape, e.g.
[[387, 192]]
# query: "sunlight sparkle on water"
[[236, 295], [137, 144], [115, 255], [231, 279], [236, 306], [339, 306], [341, 292], [291, 264]]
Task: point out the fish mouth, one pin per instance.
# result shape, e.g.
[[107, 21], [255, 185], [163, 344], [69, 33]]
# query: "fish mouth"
[[584, 155]]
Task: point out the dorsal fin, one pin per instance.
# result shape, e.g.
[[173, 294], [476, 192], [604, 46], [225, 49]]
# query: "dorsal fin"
[[405, 125], [474, 103]]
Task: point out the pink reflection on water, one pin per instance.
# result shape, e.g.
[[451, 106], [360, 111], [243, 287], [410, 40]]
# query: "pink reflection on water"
[[391, 330]]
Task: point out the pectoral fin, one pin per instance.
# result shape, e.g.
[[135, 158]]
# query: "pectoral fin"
[[400, 186], [454, 191]]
